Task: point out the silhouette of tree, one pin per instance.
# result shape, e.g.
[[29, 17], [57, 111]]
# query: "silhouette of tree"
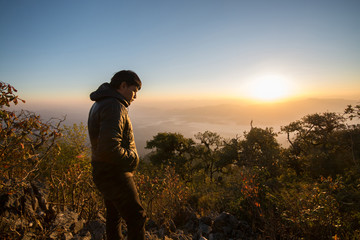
[[209, 153], [260, 148], [172, 149], [318, 141]]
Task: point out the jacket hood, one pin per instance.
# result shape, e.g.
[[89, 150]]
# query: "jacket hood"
[[106, 91]]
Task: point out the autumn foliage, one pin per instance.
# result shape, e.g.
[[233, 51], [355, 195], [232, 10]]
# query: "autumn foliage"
[[25, 142]]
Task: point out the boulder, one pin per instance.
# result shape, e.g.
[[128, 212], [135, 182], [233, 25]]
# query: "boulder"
[[206, 220], [225, 222], [25, 212], [217, 236], [96, 228]]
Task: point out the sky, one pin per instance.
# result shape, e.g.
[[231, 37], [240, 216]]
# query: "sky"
[[190, 52], [185, 49]]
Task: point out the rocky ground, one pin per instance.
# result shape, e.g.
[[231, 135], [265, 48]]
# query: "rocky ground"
[[25, 214]]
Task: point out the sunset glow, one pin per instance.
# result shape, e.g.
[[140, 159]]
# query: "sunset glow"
[[269, 88]]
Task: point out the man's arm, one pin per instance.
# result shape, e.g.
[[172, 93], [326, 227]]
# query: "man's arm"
[[112, 122]]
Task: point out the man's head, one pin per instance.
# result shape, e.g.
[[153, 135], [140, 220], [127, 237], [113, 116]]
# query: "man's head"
[[127, 83]]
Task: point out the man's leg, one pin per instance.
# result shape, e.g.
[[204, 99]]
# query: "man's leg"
[[131, 209], [104, 177], [134, 216], [113, 222], [121, 196]]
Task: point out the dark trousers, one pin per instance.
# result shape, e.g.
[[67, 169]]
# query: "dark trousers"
[[121, 201]]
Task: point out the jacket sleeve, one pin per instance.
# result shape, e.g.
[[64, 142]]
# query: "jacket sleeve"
[[113, 120]]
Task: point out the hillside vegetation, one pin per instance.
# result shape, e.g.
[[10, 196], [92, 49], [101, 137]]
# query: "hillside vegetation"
[[309, 190]]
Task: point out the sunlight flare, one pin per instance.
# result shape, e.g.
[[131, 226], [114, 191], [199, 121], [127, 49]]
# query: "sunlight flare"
[[269, 88]]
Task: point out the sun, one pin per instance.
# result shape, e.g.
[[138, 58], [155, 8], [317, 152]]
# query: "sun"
[[269, 88]]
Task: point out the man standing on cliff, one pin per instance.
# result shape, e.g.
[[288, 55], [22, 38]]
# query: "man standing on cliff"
[[114, 154]]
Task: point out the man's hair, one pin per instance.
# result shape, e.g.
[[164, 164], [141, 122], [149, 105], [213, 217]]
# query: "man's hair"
[[128, 76]]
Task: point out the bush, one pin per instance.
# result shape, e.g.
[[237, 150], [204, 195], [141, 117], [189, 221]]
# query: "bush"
[[69, 174], [25, 141], [162, 193]]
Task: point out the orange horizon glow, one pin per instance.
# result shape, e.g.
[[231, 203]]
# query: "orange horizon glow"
[[260, 89]]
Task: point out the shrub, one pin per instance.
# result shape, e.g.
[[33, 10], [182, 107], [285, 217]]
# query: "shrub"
[[162, 193], [310, 210], [25, 141], [69, 174]]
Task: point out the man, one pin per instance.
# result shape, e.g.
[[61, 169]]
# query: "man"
[[114, 154]]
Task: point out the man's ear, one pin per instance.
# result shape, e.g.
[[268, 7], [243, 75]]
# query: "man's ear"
[[123, 85]]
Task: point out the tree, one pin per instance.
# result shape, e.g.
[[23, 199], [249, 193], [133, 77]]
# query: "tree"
[[209, 152], [230, 152], [317, 144], [172, 149], [260, 148], [353, 133], [352, 112]]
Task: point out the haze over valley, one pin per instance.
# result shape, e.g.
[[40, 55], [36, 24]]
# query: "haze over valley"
[[229, 118]]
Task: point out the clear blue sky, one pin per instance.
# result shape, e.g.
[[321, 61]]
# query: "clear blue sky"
[[65, 49]]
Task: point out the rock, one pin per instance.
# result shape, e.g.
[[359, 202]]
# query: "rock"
[[180, 235], [41, 193], [67, 236], [225, 222], [85, 236], [56, 234], [183, 216], [206, 220], [167, 227], [77, 226], [29, 236], [217, 236], [24, 211], [28, 204], [238, 234], [204, 229], [65, 219], [191, 226], [227, 230], [96, 229], [244, 225], [9, 201], [150, 224]]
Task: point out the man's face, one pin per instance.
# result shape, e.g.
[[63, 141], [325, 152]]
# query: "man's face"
[[128, 92]]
